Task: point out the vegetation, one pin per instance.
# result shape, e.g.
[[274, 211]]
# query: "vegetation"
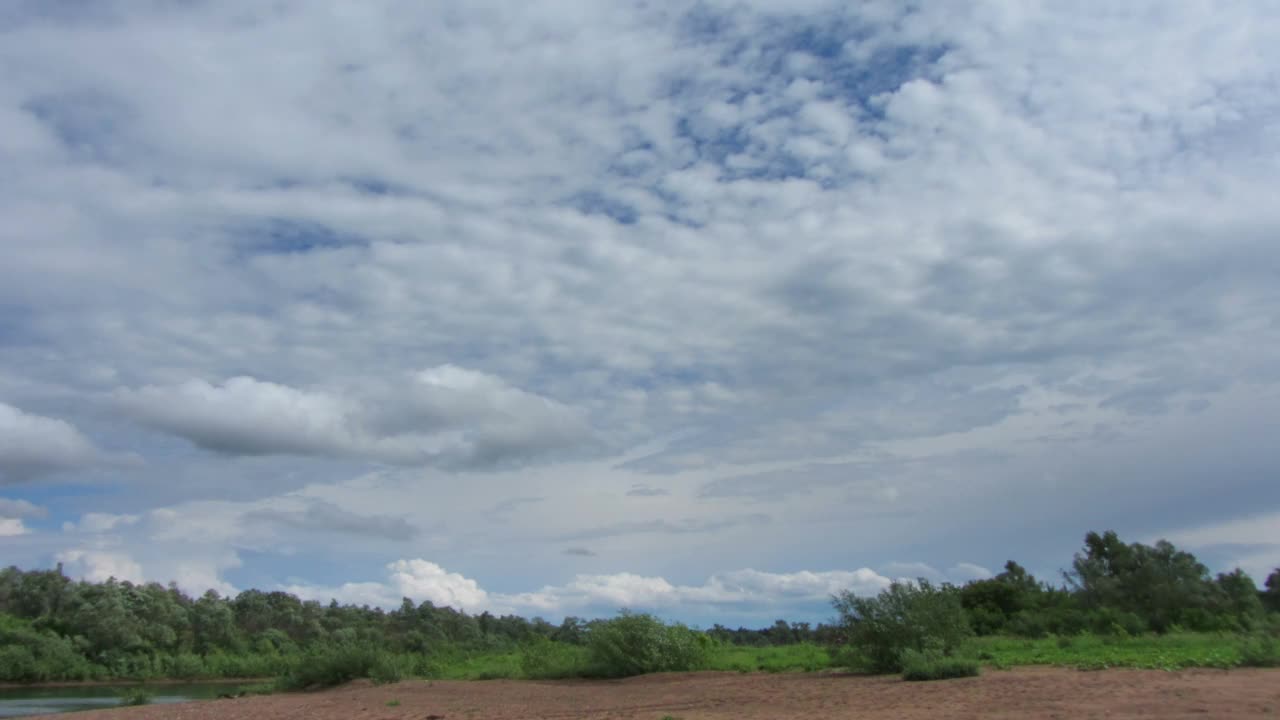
[[919, 620], [635, 644], [934, 665], [1117, 605], [136, 696]]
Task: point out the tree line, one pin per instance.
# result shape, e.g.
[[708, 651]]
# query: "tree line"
[[56, 628]]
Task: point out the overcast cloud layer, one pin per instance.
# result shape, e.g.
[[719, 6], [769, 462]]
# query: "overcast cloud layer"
[[709, 308]]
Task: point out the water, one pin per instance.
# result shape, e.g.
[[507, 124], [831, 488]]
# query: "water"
[[21, 702]]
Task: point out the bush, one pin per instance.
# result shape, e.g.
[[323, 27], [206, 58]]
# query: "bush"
[[635, 644], [184, 666], [136, 696], [906, 616], [330, 666], [389, 669], [1260, 651], [933, 665], [542, 659]]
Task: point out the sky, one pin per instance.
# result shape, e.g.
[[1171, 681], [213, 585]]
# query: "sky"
[[710, 309]]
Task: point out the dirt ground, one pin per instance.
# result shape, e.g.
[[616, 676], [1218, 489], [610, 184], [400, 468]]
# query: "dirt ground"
[[1018, 693]]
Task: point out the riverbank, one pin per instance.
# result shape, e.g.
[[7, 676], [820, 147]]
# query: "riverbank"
[[163, 682], [1032, 692]]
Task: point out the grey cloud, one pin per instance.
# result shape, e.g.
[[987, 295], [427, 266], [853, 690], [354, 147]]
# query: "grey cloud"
[[448, 416], [32, 446], [792, 232], [21, 509], [642, 490], [687, 526], [510, 504], [324, 517], [579, 552]]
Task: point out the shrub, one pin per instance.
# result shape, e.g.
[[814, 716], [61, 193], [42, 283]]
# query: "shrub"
[[916, 616], [136, 696], [543, 659], [389, 669], [1260, 651], [933, 665], [184, 666], [330, 666], [638, 643]]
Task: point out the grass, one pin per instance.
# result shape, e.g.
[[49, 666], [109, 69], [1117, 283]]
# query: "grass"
[[1175, 651], [933, 665], [803, 657]]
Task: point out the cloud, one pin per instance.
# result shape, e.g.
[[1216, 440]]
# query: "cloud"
[[100, 522], [32, 446], [1251, 543], [579, 552], [446, 416], [12, 527], [416, 579], [750, 590], [872, 264], [21, 508], [962, 573], [318, 516], [99, 566], [686, 526]]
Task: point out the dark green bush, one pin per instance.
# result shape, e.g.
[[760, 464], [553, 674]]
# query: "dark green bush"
[[638, 643], [933, 665], [916, 616], [330, 666]]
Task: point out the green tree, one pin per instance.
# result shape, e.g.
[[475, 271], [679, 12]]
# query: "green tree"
[[1271, 596], [1160, 584], [919, 617]]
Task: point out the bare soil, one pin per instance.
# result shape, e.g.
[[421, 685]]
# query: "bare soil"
[[1018, 693]]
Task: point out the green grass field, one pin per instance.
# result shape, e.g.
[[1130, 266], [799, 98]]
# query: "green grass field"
[[1089, 652], [1086, 652]]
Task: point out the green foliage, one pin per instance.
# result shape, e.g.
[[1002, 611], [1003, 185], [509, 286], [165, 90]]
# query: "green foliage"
[[801, 657], [638, 643], [934, 665], [136, 696], [1260, 650], [330, 666], [393, 703], [543, 659], [389, 669], [1171, 651], [55, 629], [1160, 585], [916, 616], [1271, 596]]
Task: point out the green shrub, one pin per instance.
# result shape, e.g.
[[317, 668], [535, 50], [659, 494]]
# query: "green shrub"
[[1260, 651], [184, 666], [933, 665], [330, 666], [916, 616], [638, 643], [389, 669], [136, 696], [542, 659]]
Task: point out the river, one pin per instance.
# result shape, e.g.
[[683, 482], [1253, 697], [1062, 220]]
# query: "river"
[[23, 701]]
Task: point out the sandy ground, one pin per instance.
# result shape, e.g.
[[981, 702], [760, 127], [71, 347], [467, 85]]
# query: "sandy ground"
[[1019, 693]]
